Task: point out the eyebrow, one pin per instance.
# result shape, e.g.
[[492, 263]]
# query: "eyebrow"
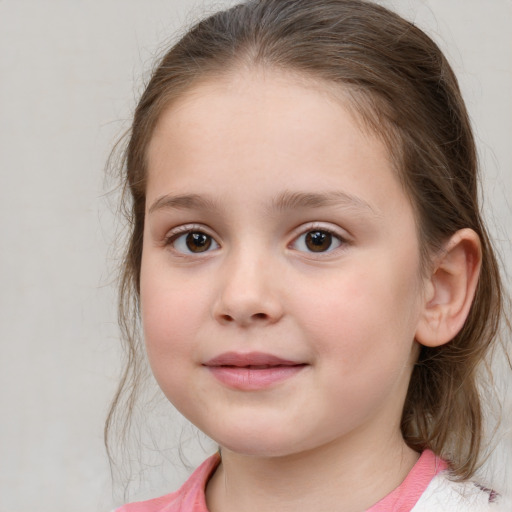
[[291, 200], [183, 202], [286, 200]]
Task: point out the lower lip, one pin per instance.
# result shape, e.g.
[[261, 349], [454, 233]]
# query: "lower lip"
[[251, 379]]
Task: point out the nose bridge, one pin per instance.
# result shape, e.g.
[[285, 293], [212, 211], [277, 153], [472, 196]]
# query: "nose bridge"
[[248, 290]]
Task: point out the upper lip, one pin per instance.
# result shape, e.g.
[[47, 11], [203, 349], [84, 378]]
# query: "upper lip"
[[242, 360]]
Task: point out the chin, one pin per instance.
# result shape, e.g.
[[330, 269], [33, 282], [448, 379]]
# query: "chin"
[[267, 444], [257, 450]]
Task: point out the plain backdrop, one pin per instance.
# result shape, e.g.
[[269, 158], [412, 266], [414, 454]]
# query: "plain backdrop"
[[70, 73]]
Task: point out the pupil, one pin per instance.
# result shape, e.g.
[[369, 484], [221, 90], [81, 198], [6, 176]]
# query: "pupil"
[[318, 241], [198, 242]]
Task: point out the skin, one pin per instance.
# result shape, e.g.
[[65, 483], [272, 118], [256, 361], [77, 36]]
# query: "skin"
[[349, 314]]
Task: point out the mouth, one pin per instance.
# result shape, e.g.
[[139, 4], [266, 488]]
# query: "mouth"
[[252, 371], [254, 360]]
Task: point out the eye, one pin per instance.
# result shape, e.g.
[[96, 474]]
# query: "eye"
[[317, 240], [192, 242]]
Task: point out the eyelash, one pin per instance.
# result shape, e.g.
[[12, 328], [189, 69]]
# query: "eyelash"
[[334, 238], [183, 232]]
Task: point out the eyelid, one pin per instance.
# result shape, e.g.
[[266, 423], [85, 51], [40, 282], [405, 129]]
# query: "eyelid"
[[337, 232], [175, 233]]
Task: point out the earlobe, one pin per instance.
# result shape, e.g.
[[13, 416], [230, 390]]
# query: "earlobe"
[[450, 289]]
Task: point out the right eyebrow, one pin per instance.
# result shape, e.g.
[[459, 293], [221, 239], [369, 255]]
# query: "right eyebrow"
[[183, 202]]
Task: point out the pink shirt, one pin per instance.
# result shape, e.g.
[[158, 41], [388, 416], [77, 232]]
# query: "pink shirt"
[[427, 472]]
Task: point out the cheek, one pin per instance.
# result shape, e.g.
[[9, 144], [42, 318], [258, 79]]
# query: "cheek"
[[169, 313], [168, 319], [363, 332], [368, 314]]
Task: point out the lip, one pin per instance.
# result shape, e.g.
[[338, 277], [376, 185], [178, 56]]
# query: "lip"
[[252, 371]]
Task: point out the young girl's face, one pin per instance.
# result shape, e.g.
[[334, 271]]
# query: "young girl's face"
[[280, 280]]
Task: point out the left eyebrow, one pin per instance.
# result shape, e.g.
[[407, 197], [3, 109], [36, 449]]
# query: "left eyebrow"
[[289, 200]]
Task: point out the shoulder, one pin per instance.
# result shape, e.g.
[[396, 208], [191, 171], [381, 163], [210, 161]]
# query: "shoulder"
[[445, 495], [189, 498]]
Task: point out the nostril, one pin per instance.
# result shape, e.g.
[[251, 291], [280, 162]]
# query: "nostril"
[[259, 316], [227, 318]]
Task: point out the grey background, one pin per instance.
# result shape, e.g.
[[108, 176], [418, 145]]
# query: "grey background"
[[70, 72]]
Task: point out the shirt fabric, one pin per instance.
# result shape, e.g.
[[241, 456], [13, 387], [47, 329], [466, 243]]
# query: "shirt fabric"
[[427, 488]]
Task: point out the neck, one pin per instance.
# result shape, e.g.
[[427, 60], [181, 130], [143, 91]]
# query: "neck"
[[348, 477]]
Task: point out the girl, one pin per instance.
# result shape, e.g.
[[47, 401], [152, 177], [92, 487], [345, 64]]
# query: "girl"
[[315, 282]]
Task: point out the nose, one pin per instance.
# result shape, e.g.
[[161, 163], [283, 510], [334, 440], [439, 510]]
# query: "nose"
[[248, 292]]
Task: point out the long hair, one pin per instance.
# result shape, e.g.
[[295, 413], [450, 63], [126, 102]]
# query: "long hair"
[[402, 88]]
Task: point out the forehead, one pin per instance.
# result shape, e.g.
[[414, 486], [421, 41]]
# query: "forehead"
[[368, 110], [265, 125], [245, 95]]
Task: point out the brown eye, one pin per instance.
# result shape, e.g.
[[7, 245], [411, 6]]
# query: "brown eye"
[[198, 242], [318, 241], [192, 242]]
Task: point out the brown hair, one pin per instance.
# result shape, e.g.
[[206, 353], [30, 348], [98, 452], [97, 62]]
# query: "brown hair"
[[403, 89]]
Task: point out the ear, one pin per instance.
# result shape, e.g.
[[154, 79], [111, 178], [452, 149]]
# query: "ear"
[[450, 289]]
